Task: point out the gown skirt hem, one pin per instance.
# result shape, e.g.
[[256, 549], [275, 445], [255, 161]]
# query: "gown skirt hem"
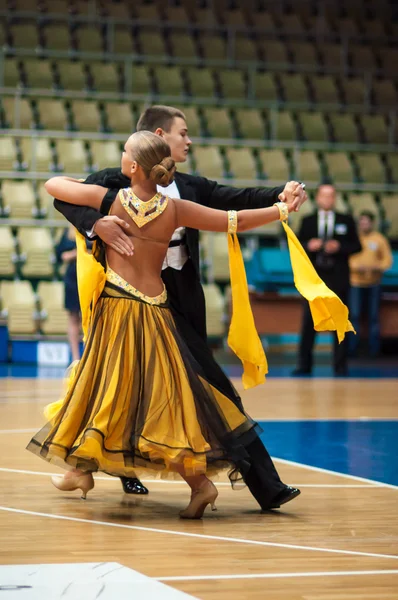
[[137, 401]]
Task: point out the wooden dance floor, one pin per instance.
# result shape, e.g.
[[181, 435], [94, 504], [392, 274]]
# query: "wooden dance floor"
[[338, 540]]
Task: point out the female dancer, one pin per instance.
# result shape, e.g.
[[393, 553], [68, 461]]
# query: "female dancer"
[[137, 397]]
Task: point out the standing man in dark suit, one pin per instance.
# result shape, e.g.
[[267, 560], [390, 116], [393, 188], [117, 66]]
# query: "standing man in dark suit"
[[329, 238], [181, 272]]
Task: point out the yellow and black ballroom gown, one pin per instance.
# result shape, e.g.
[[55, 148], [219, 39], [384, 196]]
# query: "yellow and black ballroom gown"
[[137, 398]]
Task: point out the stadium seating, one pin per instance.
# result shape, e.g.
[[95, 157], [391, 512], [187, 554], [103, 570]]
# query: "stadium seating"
[[288, 96], [53, 316], [19, 306]]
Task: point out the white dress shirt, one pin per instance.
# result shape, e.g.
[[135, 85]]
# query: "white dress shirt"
[[326, 219], [177, 256]]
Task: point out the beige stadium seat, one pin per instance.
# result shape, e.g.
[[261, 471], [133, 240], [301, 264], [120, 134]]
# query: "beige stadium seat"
[[72, 75], [390, 205], [339, 167], [325, 89], [304, 53], [245, 48], [385, 92], [215, 251], [25, 35], [234, 16], [344, 128], [120, 117], [193, 121], [308, 168], [52, 114], [72, 156], [376, 129], [12, 72], [282, 126], [251, 123], [215, 310], [263, 19], [7, 252], [146, 11], [123, 40], [184, 45], [242, 164], [371, 168], [201, 83], [141, 83], [213, 47], [89, 39], [392, 159], [232, 84], [295, 88], [39, 73], [209, 162], [151, 42], [274, 52], [57, 37], [314, 127], [18, 112], [332, 55], [19, 306], [365, 201], [169, 81], [8, 154], [176, 14], [354, 90], [275, 165], [46, 203], [106, 77], [106, 154], [53, 316], [389, 60], [218, 123], [362, 57], [265, 87], [291, 23], [37, 251], [19, 199], [86, 115], [36, 154]]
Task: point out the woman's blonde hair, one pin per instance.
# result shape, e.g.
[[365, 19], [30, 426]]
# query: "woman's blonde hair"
[[152, 153]]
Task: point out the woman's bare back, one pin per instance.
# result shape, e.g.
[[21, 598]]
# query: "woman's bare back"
[[143, 269]]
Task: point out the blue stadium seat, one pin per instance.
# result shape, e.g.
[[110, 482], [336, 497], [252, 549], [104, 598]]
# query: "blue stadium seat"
[[390, 277], [270, 269]]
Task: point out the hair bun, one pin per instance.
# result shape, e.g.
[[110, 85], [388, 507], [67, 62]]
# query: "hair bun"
[[163, 173]]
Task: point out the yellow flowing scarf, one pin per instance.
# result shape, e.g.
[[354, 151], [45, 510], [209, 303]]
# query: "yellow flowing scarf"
[[91, 279], [328, 311]]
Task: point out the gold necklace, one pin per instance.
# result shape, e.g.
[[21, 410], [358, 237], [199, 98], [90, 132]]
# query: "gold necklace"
[[142, 212]]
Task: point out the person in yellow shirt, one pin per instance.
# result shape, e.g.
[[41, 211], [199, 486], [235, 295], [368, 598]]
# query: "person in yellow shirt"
[[366, 270]]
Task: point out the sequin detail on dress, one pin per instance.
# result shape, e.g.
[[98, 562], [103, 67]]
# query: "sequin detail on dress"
[[142, 212], [114, 278]]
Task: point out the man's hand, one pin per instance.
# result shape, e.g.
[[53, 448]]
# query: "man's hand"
[[110, 230], [332, 246], [69, 256], [294, 192], [315, 244]]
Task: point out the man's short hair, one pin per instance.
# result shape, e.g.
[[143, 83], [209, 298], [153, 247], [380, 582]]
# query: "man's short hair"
[[158, 116], [367, 213]]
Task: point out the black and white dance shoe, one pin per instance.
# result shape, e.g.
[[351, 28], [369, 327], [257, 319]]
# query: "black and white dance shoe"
[[286, 495], [132, 485]]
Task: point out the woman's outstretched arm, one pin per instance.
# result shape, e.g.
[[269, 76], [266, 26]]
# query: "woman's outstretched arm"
[[72, 191], [190, 214]]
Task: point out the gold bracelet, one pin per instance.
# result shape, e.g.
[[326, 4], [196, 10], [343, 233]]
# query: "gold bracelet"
[[283, 211], [232, 221]]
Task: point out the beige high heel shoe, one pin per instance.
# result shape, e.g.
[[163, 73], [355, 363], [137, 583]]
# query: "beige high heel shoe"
[[206, 494], [84, 482]]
